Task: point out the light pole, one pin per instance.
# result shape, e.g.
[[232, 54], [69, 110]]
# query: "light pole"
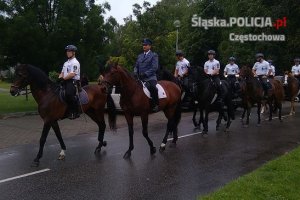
[[177, 25]]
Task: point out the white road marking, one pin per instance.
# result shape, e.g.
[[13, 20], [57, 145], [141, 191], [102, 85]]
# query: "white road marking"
[[24, 175], [283, 116], [188, 135]]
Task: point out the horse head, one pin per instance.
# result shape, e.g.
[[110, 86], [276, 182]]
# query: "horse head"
[[21, 79]]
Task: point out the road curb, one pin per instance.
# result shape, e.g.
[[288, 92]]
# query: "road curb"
[[17, 115]]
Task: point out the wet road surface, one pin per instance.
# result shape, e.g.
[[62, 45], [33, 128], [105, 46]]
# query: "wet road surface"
[[194, 167]]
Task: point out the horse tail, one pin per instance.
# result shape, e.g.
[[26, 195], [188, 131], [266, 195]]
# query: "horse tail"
[[112, 112]]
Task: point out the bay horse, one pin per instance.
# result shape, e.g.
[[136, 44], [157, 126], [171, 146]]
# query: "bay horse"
[[252, 93], [52, 108], [135, 103], [291, 86], [204, 95]]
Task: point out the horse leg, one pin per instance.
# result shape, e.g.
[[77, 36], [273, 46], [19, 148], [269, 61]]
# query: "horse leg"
[[145, 133], [279, 106], [129, 119], [247, 117], [99, 119], [43, 138], [258, 113], [205, 124], [220, 116], [57, 132], [194, 117], [271, 110]]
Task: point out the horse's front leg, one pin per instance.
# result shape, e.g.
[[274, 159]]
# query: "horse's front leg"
[[205, 123], [258, 113], [57, 132], [43, 139], [271, 110], [129, 119]]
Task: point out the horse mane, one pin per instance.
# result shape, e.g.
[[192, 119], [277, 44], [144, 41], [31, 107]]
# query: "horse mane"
[[198, 74], [38, 76], [246, 71]]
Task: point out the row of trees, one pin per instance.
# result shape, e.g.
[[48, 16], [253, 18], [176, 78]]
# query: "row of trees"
[[36, 32]]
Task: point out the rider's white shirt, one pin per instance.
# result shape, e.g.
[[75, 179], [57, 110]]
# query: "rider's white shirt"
[[182, 66], [296, 70], [262, 68], [272, 70], [71, 65], [211, 65], [232, 69]]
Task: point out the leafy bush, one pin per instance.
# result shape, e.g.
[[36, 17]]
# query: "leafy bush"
[[53, 75]]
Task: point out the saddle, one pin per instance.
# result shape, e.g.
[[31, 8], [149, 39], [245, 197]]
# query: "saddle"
[[82, 97], [161, 91]]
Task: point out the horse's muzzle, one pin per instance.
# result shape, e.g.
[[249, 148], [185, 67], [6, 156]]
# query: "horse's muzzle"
[[14, 91]]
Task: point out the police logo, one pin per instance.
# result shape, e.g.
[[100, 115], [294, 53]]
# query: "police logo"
[[75, 67]]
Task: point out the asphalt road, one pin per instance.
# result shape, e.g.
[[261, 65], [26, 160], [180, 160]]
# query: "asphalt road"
[[194, 167]]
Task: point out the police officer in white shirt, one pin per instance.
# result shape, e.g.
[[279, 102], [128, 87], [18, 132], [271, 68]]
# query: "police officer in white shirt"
[[182, 69], [296, 69], [262, 69], [70, 74], [212, 68], [272, 69]]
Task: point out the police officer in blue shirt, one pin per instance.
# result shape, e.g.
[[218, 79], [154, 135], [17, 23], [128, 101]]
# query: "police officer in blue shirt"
[[145, 69]]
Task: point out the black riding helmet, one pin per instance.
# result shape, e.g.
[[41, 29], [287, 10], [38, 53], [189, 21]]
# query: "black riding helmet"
[[211, 52], [259, 55], [231, 58], [71, 47], [179, 53]]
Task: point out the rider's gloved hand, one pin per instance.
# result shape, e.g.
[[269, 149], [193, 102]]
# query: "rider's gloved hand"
[[143, 76], [60, 80]]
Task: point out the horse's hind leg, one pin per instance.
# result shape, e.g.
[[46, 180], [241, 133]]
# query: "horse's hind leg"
[[57, 132], [43, 139], [129, 119], [145, 133], [98, 117]]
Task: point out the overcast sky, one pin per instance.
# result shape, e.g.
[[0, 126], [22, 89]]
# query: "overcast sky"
[[122, 8]]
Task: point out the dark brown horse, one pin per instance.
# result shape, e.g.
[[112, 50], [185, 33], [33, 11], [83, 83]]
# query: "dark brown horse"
[[291, 87], [135, 103], [51, 108], [251, 93]]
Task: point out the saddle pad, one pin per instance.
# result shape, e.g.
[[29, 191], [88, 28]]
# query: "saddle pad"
[[83, 97], [161, 91]]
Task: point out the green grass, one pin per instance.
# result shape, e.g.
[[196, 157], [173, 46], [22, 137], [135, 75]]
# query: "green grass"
[[10, 104], [278, 179], [4, 85]]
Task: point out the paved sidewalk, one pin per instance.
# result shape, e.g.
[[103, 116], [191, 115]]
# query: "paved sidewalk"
[[27, 129]]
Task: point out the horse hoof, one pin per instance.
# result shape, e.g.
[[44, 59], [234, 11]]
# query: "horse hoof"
[[162, 149], [97, 150], [152, 150], [204, 134], [226, 130], [127, 155], [104, 143], [61, 157], [35, 164]]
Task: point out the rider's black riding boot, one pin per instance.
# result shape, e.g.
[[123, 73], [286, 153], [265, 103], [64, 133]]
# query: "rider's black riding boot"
[[74, 113], [155, 101]]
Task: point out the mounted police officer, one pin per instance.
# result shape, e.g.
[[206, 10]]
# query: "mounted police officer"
[[231, 70], [296, 69], [145, 69], [272, 69], [212, 68], [182, 70], [70, 74], [262, 69]]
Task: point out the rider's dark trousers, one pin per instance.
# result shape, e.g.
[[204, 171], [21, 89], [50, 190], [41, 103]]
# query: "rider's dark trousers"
[[71, 95], [151, 85]]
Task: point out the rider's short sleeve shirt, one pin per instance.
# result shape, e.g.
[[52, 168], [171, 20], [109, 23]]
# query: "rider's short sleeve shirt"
[[71, 66]]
